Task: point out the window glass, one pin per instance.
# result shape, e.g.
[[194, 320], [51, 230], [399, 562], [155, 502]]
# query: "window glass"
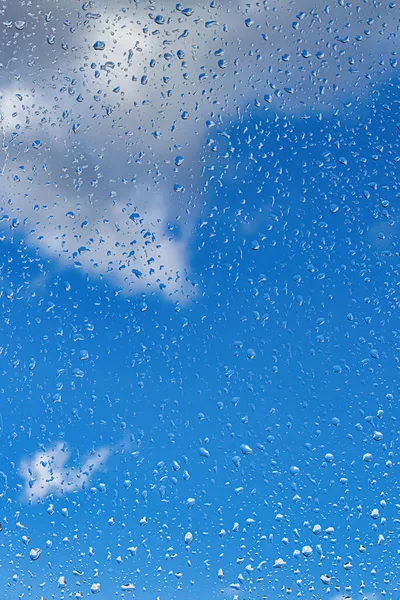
[[199, 292]]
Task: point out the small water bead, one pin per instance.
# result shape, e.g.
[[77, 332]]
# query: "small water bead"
[[378, 436], [95, 588], [317, 529], [251, 354], [99, 45], [36, 144], [329, 457], [279, 563], [294, 470], [188, 538], [307, 551], [187, 12], [374, 514], [204, 453], [35, 553], [246, 450]]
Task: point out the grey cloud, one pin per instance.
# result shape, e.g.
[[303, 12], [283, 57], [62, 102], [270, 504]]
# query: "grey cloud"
[[102, 157]]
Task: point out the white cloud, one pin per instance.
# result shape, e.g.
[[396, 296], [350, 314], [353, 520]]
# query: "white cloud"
[[78, 189], [47, 472]]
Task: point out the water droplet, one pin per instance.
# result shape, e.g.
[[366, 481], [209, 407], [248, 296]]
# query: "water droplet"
[[246, 450], [99, 45], [188, 538], [35, 553], [279, 563]]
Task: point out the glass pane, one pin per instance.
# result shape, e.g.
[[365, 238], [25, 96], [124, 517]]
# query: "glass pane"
[[199, 290]]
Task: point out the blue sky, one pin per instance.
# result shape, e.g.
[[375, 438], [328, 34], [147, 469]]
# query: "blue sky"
[[160, 384], [251, 402]]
